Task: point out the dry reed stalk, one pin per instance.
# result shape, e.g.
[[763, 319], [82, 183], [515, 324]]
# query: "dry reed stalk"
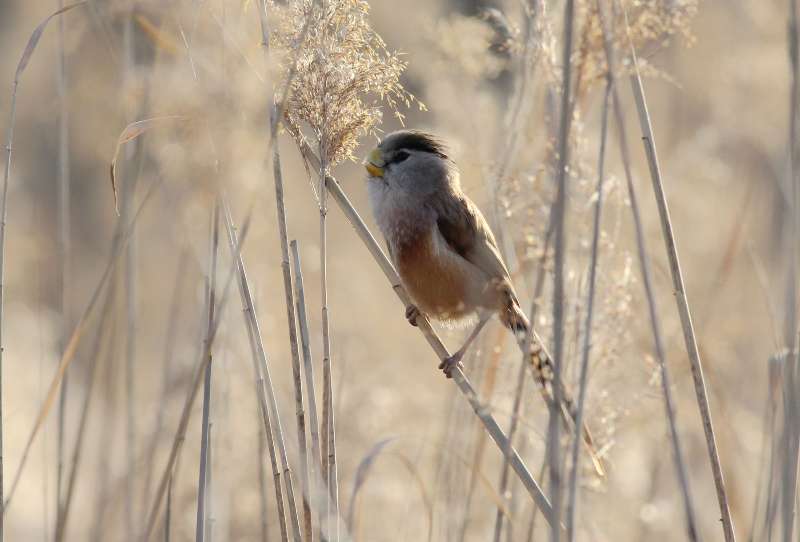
[[560, 245], [292, 322], [265, 389], [33, 41], [133, 164], [644, 265], [680, 298], [262, 485], [183, 423], [587, 335], [791, 330], [266, 436], [328, 416], [266, 431], [287, 280], [771, 409], [791, 438], [211, 282], [62, 243], [276, 112], [168, 512], [464, 386], [315, 467]]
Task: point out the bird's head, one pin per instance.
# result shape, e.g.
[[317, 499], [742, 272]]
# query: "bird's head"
[[409, 160]]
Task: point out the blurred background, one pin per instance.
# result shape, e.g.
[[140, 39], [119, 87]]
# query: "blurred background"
[[718, 79]]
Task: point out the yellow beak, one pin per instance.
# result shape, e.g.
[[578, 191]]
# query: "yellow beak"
[[375, 163]]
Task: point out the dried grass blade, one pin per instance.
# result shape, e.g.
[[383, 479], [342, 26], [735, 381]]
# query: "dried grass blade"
[[129, 133], [33, 41]]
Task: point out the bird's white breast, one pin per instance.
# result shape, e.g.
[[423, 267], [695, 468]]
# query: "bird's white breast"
[[399, 218]]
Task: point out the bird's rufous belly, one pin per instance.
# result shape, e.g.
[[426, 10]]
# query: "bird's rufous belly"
[[435, 278]]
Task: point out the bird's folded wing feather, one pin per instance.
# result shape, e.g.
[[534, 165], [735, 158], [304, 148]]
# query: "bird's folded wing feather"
[[468, 234]]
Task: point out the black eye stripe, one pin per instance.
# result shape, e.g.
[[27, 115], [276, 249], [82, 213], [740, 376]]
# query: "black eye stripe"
[[399, 156]]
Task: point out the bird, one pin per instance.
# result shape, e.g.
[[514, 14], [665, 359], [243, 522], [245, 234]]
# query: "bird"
[[446, 254], [438, 240]]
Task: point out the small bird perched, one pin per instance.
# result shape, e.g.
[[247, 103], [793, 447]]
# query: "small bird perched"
[[445, 252], [440, 243]]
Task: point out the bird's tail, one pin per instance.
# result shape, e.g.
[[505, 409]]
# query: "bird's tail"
[[542, 365]]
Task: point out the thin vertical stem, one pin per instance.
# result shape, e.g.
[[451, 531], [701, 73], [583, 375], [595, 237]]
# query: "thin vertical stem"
[[329, 432], [644, 264], [308, 369], [560, 211], [132, 152], [63, 248], [681, 300], [791, 437], [205, 435], [168, 511], [587, 335], [262, 485], [97, 533], [3, 216]]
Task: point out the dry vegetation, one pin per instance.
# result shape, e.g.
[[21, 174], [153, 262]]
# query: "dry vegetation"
[[208, 349]]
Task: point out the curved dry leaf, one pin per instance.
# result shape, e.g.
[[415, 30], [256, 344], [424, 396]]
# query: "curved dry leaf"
[[131, 132], [33, 41], [362, 472]]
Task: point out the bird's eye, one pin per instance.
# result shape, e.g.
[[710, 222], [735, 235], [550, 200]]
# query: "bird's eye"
[[400, 156]]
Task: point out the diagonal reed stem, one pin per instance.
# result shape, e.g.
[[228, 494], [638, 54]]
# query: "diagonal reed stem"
[[211, 294]]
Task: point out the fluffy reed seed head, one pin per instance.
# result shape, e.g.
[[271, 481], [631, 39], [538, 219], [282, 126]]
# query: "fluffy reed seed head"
[[344, 72]]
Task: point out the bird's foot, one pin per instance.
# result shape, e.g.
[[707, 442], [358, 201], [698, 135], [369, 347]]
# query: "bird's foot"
[[412, 313], [448, 364]]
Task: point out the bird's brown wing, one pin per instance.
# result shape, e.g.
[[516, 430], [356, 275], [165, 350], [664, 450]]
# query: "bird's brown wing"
[[466, 231]]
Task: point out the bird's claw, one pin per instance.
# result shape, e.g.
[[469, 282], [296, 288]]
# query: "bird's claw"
[[412, 313], [448, 364]]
